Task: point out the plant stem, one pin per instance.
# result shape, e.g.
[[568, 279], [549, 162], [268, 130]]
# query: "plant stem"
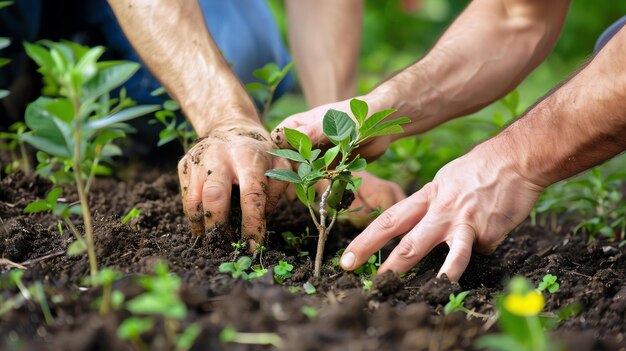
[[322, 230], [268, 102], [82, 196], [25, 161], [106, 299], [92, 172], [258, 339]]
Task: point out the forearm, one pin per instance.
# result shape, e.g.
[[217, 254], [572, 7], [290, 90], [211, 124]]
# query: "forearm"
[[325, 37], [580, 125], [484, 54], [172, 39]]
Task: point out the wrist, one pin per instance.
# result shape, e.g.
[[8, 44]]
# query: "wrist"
[[232, 115]]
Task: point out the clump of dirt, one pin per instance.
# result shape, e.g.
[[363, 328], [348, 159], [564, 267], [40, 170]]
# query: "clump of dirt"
[[397, 313]]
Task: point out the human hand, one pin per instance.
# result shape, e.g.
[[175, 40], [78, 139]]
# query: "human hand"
[[473, 202], [231, 155]]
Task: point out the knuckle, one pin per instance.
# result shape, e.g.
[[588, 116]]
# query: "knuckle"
[[254, 197], [387, 220], [406, 249], [213, 193]]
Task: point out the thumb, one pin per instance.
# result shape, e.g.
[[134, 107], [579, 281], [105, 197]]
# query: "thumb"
[[306, 122]]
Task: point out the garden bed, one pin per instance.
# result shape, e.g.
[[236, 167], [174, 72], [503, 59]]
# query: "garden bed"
[[397, 313]]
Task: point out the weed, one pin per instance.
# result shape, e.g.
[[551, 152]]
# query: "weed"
[[370, 267], [549, 283], [282, 271], [309, 288], [79, 125], [346, 135], [238, 246], [367, 284], [270, 76]]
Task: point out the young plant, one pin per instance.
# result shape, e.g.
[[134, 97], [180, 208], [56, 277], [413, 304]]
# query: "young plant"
[[238, 246], [110, 298], [549, 283], [310, 312], [270, 76], [162, 299], [519, 320], [457, 304], [62, 211], [239, 269], [370, 267], [78, 125], [175, 129], [346, 134], [309, 288], [282, 271], [131, 330], [367, 284], [296, 242], [12, 143], [133, 214]]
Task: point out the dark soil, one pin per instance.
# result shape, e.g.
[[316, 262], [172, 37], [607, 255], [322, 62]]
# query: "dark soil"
[[397, 314]]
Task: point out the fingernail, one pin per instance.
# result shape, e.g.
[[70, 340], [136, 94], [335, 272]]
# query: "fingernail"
[[347, 260]]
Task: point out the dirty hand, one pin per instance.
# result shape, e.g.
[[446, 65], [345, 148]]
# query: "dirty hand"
[[473, 202], [310, 123], [231, 155]]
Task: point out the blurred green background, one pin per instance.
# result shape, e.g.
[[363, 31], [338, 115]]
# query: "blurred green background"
[[397, 33]]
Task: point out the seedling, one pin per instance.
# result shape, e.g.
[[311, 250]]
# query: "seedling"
[[239, 268], [367, 284], [229, 335], [134, 214], [238, 247], [549, 283], [62, 211], [162, 298], [175, 128], [282, 271], [310, 312], [131, 330], [346, 135], [370, 267], [270, 76], [296, 242], [457, 304], [110, 299], [78, 126], [12, 143]]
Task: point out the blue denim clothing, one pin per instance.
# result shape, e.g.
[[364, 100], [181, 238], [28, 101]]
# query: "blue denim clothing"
[[244, 30], [609, 33]]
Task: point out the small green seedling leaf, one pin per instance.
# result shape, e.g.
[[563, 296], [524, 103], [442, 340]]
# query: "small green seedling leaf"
[[299, 141], [310, 312], [283, 269], [549, 283], [132, 327], [133, 213], [309, 288], [76, 248], [456, 303]]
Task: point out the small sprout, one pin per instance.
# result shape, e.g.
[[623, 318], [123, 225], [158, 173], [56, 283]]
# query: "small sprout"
[[549, 283], [282, 271], [238, 246], [175, 128], [105, 278], [239, 268], [309, 288], [15, 277], [294, 289], [310, 312], [131, 330], [456, 303], [367, 284], [134, 213], [230, 335], [368, 268], [186, 339], [270, 76]]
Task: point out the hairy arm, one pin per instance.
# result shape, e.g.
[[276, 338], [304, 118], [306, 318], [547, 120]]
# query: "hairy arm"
[[325, 37], [172, 39]]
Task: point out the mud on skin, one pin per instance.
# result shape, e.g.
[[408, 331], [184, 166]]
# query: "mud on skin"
[[396, 314]]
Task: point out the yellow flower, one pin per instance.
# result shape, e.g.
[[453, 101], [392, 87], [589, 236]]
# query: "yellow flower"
[[524, 305]]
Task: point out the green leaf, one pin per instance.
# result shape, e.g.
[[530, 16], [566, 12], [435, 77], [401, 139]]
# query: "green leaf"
[[358, 164], [386, 128], [50, 147], [76, 248], [132, 327], [337, 125], [86, 66], [499, 342], [5, 3], [37, 206], [288, 154], [244, 263], [258, 91], [309, 288], [171, 105], [268, 73], [186, 340], [227, 267], [301, 193], [4, 93], [41, 56], [314, 154], [111, 75], [330, 155], [53, 195], [304, 169], [359, 110], [122, 116], [299, 141], [374, 119], [284, 175], [4, 61]]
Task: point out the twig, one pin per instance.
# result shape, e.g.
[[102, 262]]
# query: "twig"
[[42, 258], [580, 274], [7, 262]]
